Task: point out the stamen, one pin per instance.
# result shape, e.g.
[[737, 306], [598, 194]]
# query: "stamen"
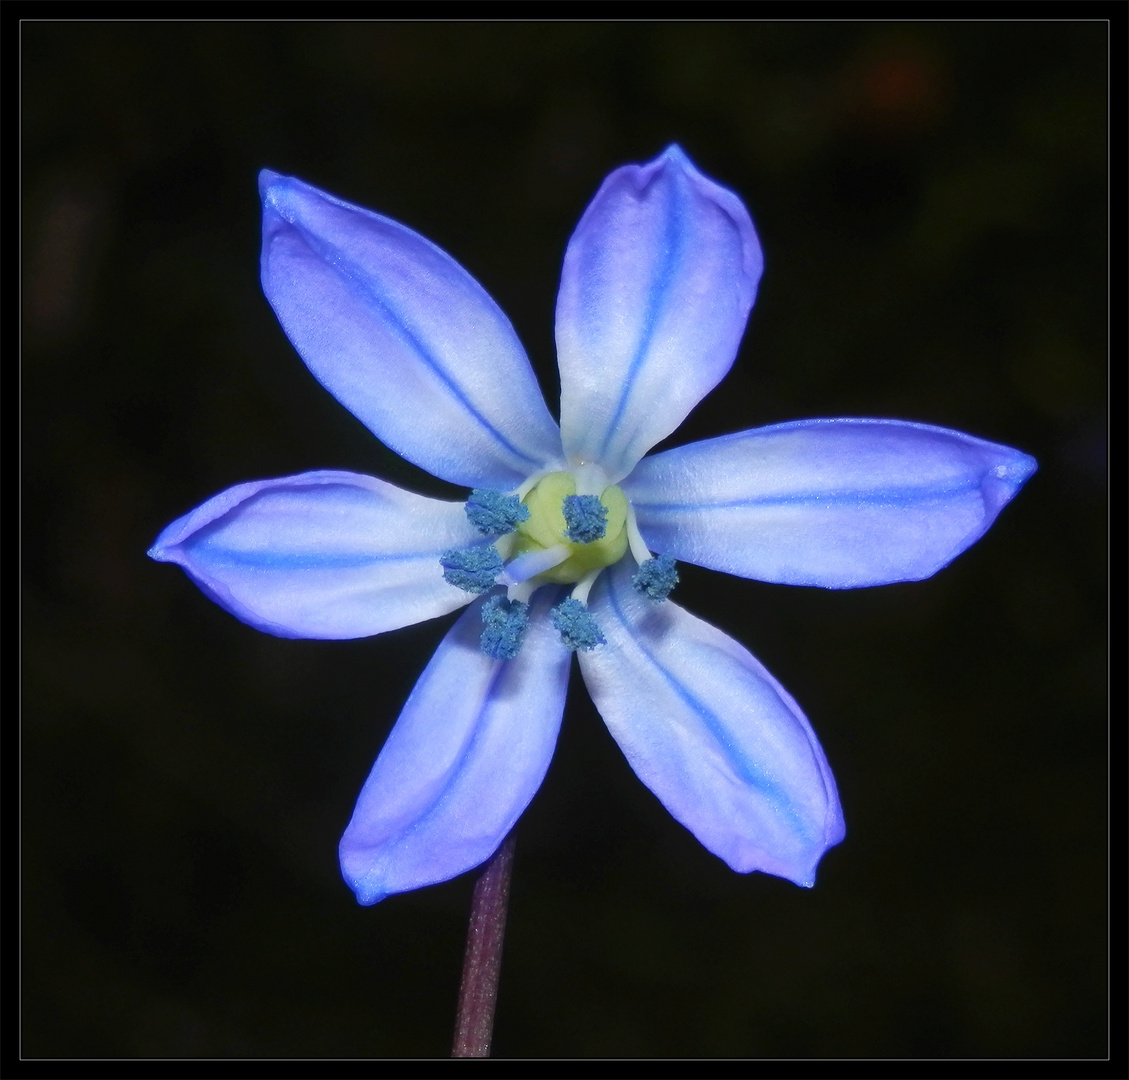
[[506, 623], [655, 578], [574, 622], [584, 586], [639, 550], [533, 563], [494, 513], [473, 570], [523, 591], [586, 518]]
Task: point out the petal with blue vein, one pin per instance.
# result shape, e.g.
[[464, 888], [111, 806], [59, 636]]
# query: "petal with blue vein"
[[658, 280], [712, 734], [467, 754], [322, 554], [403, 337], [836, 503]]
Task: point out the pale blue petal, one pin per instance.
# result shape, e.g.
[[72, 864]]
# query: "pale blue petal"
[[466, 755], [404, 338], [657, 285], [835, 503], [712, 734], [321, 554]]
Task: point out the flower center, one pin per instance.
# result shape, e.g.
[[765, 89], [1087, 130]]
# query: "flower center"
[[549, 534], [559, 517]]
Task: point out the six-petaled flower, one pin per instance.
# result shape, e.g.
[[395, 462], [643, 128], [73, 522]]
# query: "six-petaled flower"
[[569, 537]]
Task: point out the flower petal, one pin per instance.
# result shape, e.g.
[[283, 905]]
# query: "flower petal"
[[837, 503], [466, 755], [403, 337], [712, 734], [657, 285], [322, 554]]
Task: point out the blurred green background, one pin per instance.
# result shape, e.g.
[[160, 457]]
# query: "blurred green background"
[[932, 204]]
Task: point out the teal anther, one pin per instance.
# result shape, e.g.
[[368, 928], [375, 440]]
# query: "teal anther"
[[586, 518], [656, 577], [576, 625], [494, 513], [473, 570], [506, 622]]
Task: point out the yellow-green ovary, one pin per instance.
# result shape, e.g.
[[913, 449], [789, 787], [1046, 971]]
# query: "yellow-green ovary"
[[546, 528]]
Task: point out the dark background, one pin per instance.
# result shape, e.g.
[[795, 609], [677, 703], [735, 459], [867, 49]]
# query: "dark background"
[[932, 204]]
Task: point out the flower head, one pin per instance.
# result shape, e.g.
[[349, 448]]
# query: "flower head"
[[569, 538]]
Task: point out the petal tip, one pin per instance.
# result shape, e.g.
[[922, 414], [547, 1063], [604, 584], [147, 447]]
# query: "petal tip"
[[798, 867], [1001, 482], [1018, 470], [807, 879], [271, 187], [267, 178], [285, 198], [674, 152], [364, 891], [358, 872], [164, 548]]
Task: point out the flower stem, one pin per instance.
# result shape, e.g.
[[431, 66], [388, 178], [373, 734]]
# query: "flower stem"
[[474, 1024]]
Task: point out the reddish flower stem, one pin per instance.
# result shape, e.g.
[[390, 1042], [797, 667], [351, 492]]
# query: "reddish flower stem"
[[478, 994]]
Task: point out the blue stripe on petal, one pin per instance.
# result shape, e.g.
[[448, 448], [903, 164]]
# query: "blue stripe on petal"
[[834, 503], [367, 290], [893, 496], [712, 734], [657, 284], [467, 754], [656, 302], [744, 766], [404, 337], [321, 555]]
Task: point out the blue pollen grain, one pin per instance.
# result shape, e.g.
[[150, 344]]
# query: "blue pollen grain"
[[655, 578], [473, 570], [574, 622], [586, 518], [506, 622], [494, 513]]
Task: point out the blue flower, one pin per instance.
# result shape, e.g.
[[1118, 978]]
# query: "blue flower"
[[560, 531]]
